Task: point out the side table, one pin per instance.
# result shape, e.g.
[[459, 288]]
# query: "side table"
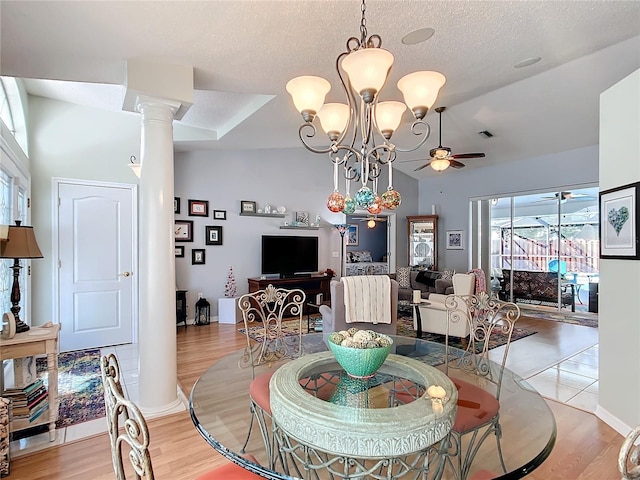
[[416, 309], [316, 306], [36, 341]]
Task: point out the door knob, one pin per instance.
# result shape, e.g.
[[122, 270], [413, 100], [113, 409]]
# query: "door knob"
[[125, 274]]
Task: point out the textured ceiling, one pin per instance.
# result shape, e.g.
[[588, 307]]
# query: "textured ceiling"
[[244, 52]]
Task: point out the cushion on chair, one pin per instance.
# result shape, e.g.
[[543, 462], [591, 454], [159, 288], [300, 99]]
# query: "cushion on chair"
[[260, 392], [475, 406], [484, 475], [231, 471]]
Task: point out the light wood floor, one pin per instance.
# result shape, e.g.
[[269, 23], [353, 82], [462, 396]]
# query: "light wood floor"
[[586, 448]]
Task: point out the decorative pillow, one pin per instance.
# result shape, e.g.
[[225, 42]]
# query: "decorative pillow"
[[403, 277], [447, 274], [362, 256], [349, 257]]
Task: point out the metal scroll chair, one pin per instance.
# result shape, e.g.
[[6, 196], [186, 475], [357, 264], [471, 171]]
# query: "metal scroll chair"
[[268, 343], [478, 413], [629, 456], [129, 434]]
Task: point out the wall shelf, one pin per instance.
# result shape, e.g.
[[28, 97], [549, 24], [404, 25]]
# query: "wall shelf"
[[291, 227], [272, 215]]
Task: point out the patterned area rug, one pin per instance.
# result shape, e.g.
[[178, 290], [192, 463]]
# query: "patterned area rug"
[[80, 388], [577, 318], [405, 328]]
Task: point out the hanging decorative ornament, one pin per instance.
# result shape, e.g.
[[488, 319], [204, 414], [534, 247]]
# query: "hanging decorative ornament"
[[365, 197], [391, 199], [335, 202], [349, 205], [376, 207]]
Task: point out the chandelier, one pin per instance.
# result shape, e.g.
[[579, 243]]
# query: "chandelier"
[[360, 131]]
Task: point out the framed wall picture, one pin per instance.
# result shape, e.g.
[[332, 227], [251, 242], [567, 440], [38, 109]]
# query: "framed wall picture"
[[302, 218], [197, 256], [352, 235], [176, 205], [247, 206], [213, 235], [183, 230], [179, 251], [454, 240], [198, 208], [219, 214], [619, 219]]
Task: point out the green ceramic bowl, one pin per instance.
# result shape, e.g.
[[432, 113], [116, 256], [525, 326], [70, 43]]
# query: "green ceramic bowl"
[[359, 362]]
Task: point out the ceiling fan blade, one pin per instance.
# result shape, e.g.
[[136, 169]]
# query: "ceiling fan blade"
[[423, 166], [468, 155], [455, 164]]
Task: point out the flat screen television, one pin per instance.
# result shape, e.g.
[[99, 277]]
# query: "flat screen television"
[[288, 255]]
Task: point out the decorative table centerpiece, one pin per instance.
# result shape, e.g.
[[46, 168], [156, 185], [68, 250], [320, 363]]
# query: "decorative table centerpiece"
[[360, 352]]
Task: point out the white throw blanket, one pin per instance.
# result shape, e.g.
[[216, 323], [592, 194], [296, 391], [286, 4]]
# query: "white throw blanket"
[[367, 298]]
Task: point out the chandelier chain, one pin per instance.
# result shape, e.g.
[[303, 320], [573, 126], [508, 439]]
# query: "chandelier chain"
[[363, 25]]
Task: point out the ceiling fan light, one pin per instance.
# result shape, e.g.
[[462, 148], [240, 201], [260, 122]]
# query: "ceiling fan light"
[[441, 153], [420, 90], [440, 164], [308, 93], [371, 223], [367, 69], [333, 118], [389, 116]]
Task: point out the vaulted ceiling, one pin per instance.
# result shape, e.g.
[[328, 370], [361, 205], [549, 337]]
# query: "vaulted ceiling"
[[244, 52]]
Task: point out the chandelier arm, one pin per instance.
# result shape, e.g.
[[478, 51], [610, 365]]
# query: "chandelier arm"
[[350, 97], [417, 123], [311, 135]]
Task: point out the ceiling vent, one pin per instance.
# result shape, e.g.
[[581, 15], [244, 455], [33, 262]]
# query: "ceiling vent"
[[485, 134]]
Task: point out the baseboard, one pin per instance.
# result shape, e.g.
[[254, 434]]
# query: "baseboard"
[[613, 421]]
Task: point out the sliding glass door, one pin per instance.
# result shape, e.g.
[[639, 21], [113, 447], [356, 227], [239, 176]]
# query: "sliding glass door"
[[544, 247]]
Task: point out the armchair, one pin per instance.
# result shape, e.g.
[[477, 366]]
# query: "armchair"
[[434, 315], [333, 318]]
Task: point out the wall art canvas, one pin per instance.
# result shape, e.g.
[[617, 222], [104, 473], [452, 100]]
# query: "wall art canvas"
[[619, 218]]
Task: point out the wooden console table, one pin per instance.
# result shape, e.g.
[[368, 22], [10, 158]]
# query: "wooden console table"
[[36, 341], [311, 286]]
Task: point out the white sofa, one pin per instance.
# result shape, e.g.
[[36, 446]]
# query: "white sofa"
[[434, 315]]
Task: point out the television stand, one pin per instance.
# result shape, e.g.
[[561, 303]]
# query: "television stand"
[[311, 285]]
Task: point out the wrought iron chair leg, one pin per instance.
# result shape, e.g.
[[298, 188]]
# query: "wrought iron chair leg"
[[250, 428], [498, 438]]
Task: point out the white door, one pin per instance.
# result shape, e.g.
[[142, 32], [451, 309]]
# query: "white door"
[[96, 258]]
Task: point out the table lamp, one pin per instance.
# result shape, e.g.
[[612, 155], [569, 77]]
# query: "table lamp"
[[20, 243]]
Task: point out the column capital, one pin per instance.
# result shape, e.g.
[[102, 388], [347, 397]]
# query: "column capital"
[[146, 104]]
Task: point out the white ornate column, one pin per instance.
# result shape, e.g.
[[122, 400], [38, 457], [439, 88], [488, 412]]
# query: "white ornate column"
[[157, 327]]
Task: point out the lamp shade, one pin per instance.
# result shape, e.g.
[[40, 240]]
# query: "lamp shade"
[[440, 164], [21, 243], [389, 115], [308, 92], [420, 89], [368, 69], [333, 117]]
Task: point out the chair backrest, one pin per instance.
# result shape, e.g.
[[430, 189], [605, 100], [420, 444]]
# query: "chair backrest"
[[463, 283], [487, 318], [629, 456], [338, 310], [263, 313], [128, 431]]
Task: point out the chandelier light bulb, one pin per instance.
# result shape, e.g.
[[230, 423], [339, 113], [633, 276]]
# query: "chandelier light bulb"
[[389, 116], [368, 69], [333, 119], [420, 90], [440, 164], [308, 94]]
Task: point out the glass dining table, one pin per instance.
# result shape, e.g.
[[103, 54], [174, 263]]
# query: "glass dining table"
[[219, 407]]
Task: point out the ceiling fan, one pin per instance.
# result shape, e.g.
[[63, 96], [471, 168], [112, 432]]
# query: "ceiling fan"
[[564, 196], [441, 157]]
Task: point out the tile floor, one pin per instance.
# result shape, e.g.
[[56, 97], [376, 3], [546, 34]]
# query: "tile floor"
[[573, 380]]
